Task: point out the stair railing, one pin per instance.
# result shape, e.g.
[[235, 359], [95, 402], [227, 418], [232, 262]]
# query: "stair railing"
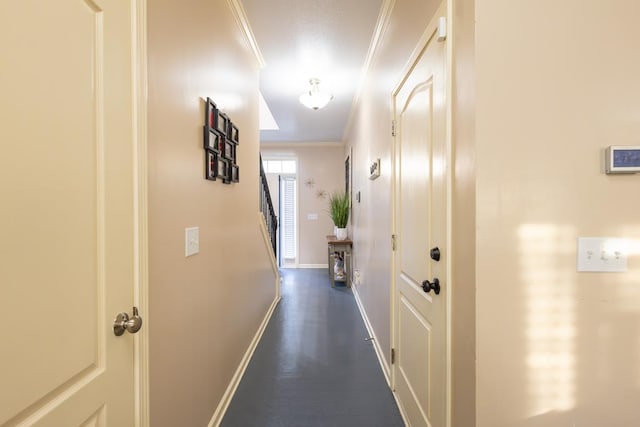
[[266, 207]]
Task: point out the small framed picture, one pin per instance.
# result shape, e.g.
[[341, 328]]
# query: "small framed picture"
[[224, 170], [211, 165], [235, 173], [212, 139], [221, 143], [222, 123], [211, 114], [233, 133], [229, 151]]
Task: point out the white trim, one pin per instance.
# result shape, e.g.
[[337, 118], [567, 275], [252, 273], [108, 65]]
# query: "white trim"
[[243, 23], [220, 411], [218, 415], [429, 33], [141, 220], [296, 215], [272, 258], [313, 265], [449, 214], [299, 144], [386, 369], [384, 17]]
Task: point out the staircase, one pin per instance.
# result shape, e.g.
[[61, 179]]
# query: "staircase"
[[266, 207]]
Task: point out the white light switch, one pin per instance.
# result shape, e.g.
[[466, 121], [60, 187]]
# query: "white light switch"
[[191, 241], [312, 217], [602, 254]]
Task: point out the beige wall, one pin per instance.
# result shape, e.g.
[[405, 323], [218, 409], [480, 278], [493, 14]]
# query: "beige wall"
[[370, 138], [205, 309], [555, 347], [556, 83], [325, 165], [463, 245]]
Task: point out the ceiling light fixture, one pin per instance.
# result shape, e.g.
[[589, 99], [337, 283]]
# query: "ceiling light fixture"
[[315, 98]]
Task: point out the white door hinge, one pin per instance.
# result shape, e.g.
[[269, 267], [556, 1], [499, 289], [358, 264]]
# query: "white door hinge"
[[442, 29]]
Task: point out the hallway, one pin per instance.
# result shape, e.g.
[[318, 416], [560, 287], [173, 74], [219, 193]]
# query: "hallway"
[[313, 367]]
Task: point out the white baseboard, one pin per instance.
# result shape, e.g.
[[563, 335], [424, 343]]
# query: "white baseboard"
[[313, 266], [386, 370], [218, 415], [267, 241]]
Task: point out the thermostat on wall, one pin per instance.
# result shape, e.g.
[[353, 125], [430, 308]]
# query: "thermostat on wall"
[[622, 159]]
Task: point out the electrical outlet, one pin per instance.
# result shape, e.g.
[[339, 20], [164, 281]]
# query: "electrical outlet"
[[602, 254], [191, 241], [357, 277]]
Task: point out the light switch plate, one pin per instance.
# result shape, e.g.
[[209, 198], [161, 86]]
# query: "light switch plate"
[[191, 241], [602, 254], [312, 217]]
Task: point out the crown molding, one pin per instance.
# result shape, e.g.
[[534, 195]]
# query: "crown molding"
[[243, 23], [381, 27], [300, 144]]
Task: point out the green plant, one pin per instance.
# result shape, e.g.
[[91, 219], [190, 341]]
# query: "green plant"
[[339, 208]]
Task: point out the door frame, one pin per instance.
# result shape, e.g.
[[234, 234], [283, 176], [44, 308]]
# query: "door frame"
[[446, 10], [141, 221], [284, 156]]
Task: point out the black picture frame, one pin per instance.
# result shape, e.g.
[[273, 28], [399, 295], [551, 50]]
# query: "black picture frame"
[[221, 143], [211, 114], [220, 139], [233, 134], [222, 123], [235, 173], [211, 165], [229, 151], [224, 170], [212, 139]]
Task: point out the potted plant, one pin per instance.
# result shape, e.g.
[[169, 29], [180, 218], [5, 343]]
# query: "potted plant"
[[339, 211]]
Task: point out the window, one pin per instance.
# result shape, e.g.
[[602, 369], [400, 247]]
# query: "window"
[[279, 166]]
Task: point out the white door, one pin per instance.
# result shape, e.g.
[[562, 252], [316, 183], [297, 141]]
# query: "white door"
[[419, 372], [288, 221], [67, 218]]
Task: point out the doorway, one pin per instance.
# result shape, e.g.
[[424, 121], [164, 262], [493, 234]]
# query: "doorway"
[[283, 185], [73, 218], [421, 261]]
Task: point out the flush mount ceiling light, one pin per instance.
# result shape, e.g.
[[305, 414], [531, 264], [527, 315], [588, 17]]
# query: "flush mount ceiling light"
[[315, 98]]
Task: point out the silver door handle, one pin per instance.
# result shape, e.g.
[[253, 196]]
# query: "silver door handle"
[[123, 323]]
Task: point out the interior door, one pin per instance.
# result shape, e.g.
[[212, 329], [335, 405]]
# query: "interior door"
[[67, 218], [419, 372], [288, 220]]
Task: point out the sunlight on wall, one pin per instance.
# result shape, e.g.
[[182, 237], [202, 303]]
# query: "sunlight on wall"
[[546, 263]]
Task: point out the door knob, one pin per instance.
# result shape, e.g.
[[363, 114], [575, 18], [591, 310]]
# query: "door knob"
[[434, 286], [435, 253], [123, 323]]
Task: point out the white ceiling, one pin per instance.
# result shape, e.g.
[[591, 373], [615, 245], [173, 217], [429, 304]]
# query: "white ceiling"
[[301, 39]]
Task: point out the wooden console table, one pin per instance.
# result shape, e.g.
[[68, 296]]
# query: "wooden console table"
[[343, 246]]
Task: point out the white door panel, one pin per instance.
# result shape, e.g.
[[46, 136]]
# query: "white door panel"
[[67, 214], [419, 372]]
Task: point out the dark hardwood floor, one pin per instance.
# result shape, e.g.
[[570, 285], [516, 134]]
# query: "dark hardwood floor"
[[313, 367]]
